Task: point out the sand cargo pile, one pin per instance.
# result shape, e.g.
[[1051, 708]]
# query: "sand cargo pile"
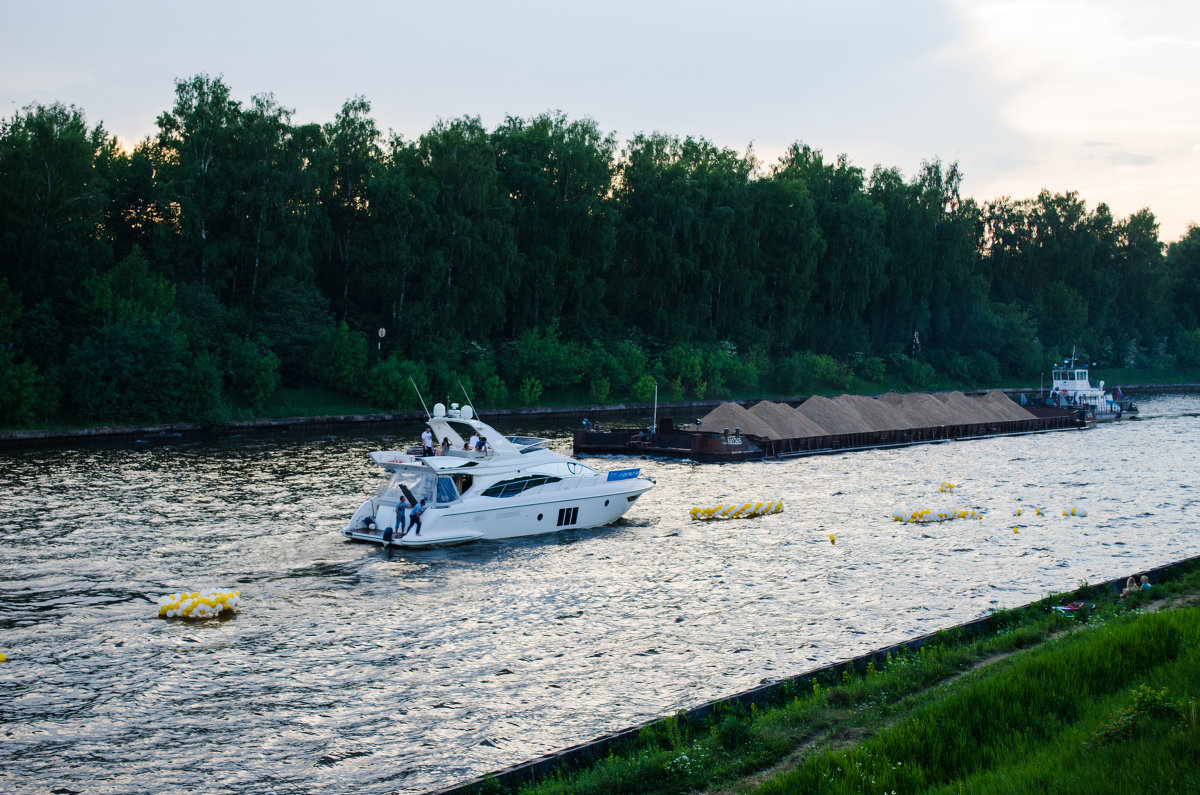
[[733, 432]]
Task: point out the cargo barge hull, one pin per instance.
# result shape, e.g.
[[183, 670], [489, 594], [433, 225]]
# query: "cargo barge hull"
[[731, 445]]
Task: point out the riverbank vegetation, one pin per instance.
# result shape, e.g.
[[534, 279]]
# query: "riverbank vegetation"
[[1100, 700], [194, 274]]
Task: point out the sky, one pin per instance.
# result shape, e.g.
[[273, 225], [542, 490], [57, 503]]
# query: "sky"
[[1099, 97]]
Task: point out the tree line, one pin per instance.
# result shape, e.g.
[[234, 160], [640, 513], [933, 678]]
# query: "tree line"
[[235, 251]]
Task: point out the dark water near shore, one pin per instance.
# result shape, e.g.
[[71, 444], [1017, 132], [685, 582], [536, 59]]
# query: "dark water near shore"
[[349, 668]]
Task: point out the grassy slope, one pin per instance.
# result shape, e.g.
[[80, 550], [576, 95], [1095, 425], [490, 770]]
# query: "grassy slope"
[[1044, 704]]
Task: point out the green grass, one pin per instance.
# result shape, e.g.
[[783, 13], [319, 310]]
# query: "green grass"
[[1106, 704], [1041, 721]]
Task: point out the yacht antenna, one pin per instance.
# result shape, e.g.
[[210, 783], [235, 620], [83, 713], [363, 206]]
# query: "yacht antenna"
[[474, 410], [414, 383]]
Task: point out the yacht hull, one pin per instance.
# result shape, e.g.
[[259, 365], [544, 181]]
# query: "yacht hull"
[[572, 509]]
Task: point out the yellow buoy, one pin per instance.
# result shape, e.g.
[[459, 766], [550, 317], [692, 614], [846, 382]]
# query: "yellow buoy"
[[926, 516], [1014, 529], [3, 656], [737, 510], [831, 539], [207, 604]]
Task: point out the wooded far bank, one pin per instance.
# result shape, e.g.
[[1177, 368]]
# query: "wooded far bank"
[[234, 252]]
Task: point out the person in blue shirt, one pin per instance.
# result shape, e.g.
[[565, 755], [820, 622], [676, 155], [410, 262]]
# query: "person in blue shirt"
[[401, 507], [414, 517]]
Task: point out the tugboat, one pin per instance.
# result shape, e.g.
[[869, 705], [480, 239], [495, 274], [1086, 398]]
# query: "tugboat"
[[1070, 388]]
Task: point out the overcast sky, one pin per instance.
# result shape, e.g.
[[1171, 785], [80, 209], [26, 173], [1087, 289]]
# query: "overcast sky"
[[1099, 97]]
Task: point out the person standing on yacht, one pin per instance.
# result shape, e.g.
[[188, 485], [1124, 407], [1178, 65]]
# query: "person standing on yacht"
[[427, 440], [401, 506], [414, 516]]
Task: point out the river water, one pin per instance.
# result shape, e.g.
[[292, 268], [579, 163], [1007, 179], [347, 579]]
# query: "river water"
[[349, 668]]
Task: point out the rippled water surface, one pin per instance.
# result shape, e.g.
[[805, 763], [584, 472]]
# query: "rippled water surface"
[[349, 668]]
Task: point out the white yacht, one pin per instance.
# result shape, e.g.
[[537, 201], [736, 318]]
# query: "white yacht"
[[513, 486]]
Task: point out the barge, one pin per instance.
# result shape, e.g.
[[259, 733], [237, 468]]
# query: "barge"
[[719, 437]]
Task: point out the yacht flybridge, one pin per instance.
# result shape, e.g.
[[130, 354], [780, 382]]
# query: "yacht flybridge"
[[511, 486]]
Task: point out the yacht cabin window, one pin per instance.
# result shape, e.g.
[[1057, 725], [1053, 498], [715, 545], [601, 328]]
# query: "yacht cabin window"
[[513, 487]]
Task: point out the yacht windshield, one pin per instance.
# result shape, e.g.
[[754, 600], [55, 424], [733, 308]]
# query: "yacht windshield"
[[391, 491], [511, 488], [528, 443]]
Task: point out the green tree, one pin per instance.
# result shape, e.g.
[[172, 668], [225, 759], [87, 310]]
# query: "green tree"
[[20, 382], [196, 168], [252, 371], [1145, 305], [398, 295], [53, 200], [557, 174], [130, 291], [786, 247], [851, 271], [467, 261], [141, 370], [340, 357], [1183, 269], [351, 158], [686, 238], [271, 198]]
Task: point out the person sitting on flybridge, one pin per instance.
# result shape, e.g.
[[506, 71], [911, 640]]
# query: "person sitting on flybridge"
[[473, 442]]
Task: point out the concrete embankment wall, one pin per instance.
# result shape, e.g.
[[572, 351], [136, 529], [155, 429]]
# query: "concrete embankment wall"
[[68, 437], [579, 755]]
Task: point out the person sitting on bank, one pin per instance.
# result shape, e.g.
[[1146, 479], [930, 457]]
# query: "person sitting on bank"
[[1131, 585], [1145, 583]]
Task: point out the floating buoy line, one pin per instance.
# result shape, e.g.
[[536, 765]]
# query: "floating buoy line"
[[201, 604], [927, 516], [737, 510], [1068, 512]]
